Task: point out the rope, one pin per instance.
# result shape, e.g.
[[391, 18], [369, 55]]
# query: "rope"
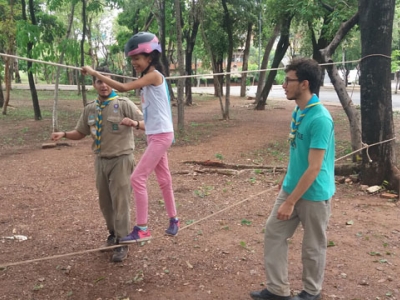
[[187, 76], [59, 65], [5, 265], [365, 146]]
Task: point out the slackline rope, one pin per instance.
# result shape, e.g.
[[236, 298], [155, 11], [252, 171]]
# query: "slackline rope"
[[365, 146], [187, 76], [5, 265]]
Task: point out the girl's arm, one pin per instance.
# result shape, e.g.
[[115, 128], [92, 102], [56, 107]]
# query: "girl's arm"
[[151, 78]]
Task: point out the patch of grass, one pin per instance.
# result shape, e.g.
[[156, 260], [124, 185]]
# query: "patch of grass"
[[38, 287], [138, 277], [219, 156], [203, 191], [343, 148], [331, 244], [245, 222]]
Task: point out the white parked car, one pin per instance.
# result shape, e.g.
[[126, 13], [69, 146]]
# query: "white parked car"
[[353, 77]]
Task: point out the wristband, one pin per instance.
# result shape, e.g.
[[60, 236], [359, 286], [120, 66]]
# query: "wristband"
[[65, 134], [137, 126]]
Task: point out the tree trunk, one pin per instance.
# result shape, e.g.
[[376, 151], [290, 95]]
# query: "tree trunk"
[[281, 48], [58, 72], [245, 66], [35, 100], [324, 56], [164, 57], [228, 24], [264, 63], [215, 65], [1, 93], [9, 49], [376, 24], [8, 84], [190, 37], [181, 81], [82, 50], [16, 72]]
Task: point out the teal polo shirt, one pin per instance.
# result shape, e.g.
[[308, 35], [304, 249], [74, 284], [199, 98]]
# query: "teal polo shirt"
[[316, 131]]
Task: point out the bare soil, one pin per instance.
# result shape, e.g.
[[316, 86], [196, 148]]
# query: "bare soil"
[[49, 196]]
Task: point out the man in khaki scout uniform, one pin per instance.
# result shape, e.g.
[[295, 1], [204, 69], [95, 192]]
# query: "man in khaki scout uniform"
[[113, 145]]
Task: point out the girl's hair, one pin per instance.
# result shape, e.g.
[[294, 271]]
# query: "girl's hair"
[[154, 61]]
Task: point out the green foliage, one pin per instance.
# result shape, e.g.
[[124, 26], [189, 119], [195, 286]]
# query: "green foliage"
[[395, 64]]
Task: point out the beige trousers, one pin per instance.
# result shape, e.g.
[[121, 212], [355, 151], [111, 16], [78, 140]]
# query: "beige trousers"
[[313, 216], [115, 192]]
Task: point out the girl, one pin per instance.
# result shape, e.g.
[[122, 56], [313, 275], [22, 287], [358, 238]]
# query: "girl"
[[144, 51]]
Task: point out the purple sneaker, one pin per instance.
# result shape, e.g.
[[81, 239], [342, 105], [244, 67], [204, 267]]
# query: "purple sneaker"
[[173, 227], [137, 235]]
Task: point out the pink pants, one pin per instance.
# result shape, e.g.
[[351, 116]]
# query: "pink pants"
[[154, 158]]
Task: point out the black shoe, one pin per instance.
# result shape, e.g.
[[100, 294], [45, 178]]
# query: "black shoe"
[[111, 240], [120, 254], [267, 295], [306, 296]]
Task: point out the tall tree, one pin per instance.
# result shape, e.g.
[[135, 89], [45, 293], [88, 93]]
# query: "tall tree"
[[246, 53], [325, 56], [61, 61], [30, 45], [161, 19], [190, 34], [228, 26], [181, 81], [82, 50], [264, 63], [281, 48], [376, 21], [8, 32]]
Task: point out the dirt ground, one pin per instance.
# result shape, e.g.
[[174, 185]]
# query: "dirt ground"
[[49, 196]]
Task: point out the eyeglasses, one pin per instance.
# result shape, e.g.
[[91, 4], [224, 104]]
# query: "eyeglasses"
[[287, 80]]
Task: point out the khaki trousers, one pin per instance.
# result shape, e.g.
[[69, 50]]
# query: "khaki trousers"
[[115, 191], [314, 216]]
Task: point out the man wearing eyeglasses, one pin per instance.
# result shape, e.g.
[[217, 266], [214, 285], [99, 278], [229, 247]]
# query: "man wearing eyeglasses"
[[305, 191]]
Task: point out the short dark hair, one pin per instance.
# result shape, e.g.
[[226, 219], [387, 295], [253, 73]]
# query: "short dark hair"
[[103, 69], [306, 69]]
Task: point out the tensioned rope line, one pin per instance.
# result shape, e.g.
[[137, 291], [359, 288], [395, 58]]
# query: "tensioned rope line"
[[365, 146], [2, 266], [185, 76], [59, 65], [5, 265]]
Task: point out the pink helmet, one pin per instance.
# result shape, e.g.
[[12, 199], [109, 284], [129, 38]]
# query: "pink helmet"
[[142, 42]]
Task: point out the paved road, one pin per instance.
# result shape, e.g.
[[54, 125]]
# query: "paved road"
[[327, 94]]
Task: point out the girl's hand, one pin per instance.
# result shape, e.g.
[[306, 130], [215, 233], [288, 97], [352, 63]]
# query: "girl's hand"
[[86, 70], [55, 136]]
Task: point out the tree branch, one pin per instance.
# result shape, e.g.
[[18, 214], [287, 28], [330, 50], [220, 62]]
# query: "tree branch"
[[340, 34], [326, 6]]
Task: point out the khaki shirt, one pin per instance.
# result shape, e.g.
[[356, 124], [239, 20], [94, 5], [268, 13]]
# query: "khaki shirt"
[[116, 139]]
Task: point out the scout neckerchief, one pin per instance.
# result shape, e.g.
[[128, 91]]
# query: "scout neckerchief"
[[99, 118], [296, 122]]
